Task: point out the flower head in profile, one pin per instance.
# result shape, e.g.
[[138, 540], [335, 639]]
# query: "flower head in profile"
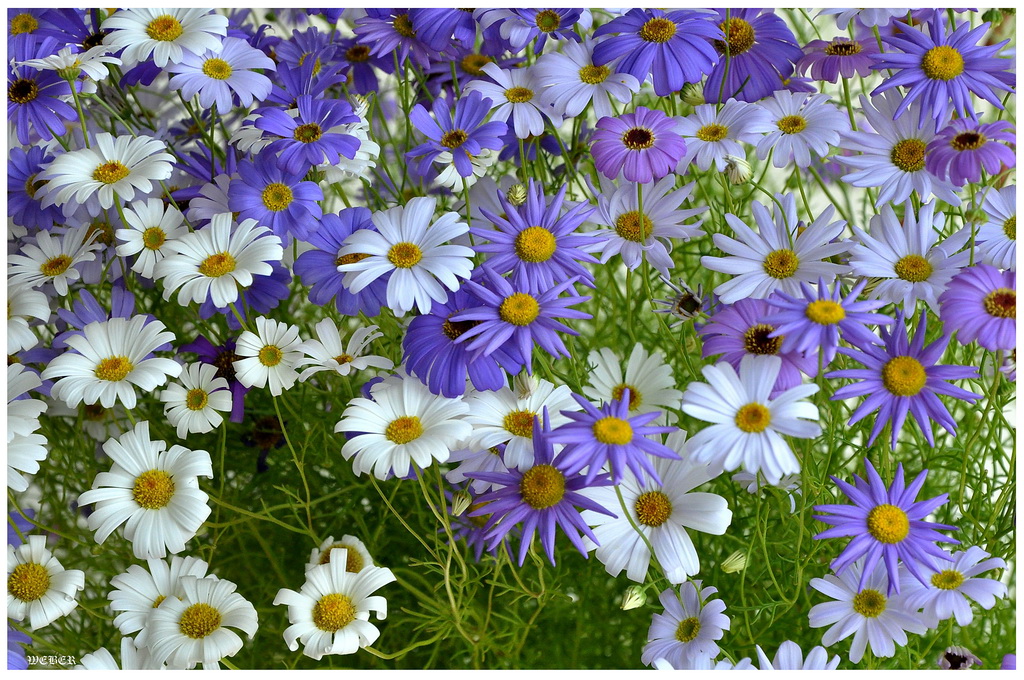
[[841, 57], [997, 237], [328, 353]]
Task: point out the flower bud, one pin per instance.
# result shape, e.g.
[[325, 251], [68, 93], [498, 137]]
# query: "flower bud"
[[633, 597], [992, 16], [461, 500], [692, 94], [516, 195], [734, 562], [737, 169]]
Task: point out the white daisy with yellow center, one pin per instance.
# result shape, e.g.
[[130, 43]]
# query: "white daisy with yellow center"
[[163, 33], [328, 353], [269, 356], [52, 259], [24, 303], [195, 404], [347, 548], [25, 448], [139, 590], [38, 587], [151, 224]]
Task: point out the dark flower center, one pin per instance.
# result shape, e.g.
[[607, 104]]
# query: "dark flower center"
[[22, 91], [548, 21], [454, 138], [739, 35], [454, 329], [841, 47], [968, 141], [266, 432], [1002, 303], [358, 53], [308, 133], [638, 138], [225, 363], [403, 26], [756, 340]]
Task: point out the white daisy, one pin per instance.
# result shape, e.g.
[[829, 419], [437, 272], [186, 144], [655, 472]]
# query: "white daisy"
[[780, 255], [408, 244], [571, 81], [93, 62], [331, 612], [906, 254], [892, 153], [952, 588], [52, 259], [366, 156], [686, 633], [22, 414], [801, 123], [231, 71], [212, 199], [791, 658], [214, 261], [91, 177], [164, 33], [450, 177], [662, 513], [867, 17], [138, 591], [712, 135], [24, 303], [867, 613], [635, 236], [151, 225], [38, 587], [110, 360], [24, 453], [195, 628], [194, 406], [506, 417], [516, 93], [133, 658], [997, 238], [328, 353], [349, 548], [402, 424], [747, 425], [156, 491], [647, 377], [268, 356]]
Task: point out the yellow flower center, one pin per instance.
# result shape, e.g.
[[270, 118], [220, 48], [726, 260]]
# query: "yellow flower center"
[[756, 340], [653, 508], [548, 21], [519, 309], [473, 64], [277, 196], [333, 612], [790, 125], [1010, 228], [308, 133], [904, 376], [23, 23], [942, 63], [535, 244], [592, 75], [316, 64], [55, 266], [158, 600], [199, 621], [632, 226], [196, 399], [635, 398], [454, 138], [869, 603], [113, 368], [712, 132], [913, 268], [1002, 303], [968, 141], [947, 579], [888, 524], [739, 35], [519, 423], [542, 486], [658, 30], [344, 358], [165, 28], [217, 265], [841, 47], [153, 238], [28, 582], [353, 561], [638, 138], [153, 489], [612, 430], [688, 629], [404, 429], [110, 172], [781, 264], [518, 95], [32, 186], [403, 26], [825, 312], [102, 231], [270, 355], [455, 329], [351, 258], [405, 255], [908, 155], [753, 417], [218, 69]]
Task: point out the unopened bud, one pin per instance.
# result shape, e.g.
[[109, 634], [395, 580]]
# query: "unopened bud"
[[516, 195], [692, 94], [992, 15], [737, 169], [461, 501], [633, 597], [359, 105], [734, 562], [525, 384]]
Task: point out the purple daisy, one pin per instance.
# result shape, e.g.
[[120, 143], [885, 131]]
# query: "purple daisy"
[[224, 358], [757, 50], [544, 496], [608, 435], [435, 356], [535, 242], [458, 130], [24, 204], [437, 27], [840, 57], [888, 525], [642, 145], [318, 268], [520, 316], [391, 32], [966, 147], [902, 377], [523, 26], [275, 198], [980, 303], [306, 140], [33, 96], [939, 68], [674, 47], [813, 323], [362, 76], [742, 329]]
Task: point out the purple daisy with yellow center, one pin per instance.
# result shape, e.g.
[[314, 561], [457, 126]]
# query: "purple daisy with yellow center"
[[758, 49]]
